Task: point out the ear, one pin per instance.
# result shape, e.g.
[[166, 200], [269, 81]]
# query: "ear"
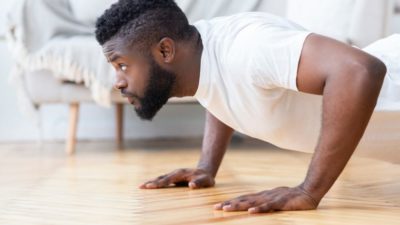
[[165, 50]]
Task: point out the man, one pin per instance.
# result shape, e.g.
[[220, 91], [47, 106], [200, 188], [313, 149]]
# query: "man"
[[254, 73]]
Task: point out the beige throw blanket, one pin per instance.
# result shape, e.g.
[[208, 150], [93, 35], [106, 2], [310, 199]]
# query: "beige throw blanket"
[[45, 35]]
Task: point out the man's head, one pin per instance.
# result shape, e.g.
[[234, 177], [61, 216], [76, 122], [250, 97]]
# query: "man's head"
[[139, 38]]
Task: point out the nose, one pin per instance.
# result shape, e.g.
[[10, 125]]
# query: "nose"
[[120, 83]]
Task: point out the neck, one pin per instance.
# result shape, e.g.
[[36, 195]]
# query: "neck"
[[188, 73]]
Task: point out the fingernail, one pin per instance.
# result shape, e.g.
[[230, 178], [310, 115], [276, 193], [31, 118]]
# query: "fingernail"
[[150, 185], [217, 206], [192, 185], [227, 207], [252, 210]]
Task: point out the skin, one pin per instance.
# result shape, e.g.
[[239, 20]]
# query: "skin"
[[147, 99], [349, 81]]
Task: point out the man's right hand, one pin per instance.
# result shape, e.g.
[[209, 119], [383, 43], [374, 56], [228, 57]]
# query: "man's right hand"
[[193, 178]]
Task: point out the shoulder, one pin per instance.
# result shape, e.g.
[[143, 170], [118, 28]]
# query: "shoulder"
[[325, 59], [237, 22]]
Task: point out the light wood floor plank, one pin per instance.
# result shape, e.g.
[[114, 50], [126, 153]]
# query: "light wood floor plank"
[[40, 185]]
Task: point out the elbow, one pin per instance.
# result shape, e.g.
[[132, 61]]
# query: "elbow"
[[369, 78], [376, 70], [371, 73]]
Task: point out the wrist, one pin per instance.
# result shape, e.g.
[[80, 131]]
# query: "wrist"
[[315, 193], [208, 169]]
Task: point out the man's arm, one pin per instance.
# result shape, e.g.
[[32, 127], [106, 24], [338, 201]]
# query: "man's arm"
[[350, 81], [216, 139]]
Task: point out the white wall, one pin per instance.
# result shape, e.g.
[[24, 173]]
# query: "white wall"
[[3, 8], [395, 26]]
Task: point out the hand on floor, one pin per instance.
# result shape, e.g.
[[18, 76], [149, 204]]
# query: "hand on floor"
[[194, 178], [278, 199]]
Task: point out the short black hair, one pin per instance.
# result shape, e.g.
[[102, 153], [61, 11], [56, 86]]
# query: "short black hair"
[[143, 22]]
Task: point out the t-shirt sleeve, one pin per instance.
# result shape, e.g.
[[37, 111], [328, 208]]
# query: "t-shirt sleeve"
[[274, 57]]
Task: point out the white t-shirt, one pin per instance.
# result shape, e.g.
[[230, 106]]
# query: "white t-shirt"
[[248, 79], [388, 50]]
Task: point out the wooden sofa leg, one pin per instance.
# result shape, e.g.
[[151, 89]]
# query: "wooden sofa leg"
[[72, 127], [119, 121]]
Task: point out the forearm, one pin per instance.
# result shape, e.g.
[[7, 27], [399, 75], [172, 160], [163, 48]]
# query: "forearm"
[[348, 103], [216, 138]]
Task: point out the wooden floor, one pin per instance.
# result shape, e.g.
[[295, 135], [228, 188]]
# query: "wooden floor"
[[41, 185]]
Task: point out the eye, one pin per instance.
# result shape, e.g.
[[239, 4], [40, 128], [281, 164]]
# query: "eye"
[[123, 67]]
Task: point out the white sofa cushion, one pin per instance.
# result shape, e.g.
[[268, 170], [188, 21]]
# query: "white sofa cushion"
[[330, 18], [357, 22]]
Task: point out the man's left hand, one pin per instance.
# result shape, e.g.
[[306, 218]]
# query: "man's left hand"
[[278, 199]]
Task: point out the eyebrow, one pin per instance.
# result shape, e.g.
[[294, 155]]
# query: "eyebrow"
[[111, 55], [113, 58]]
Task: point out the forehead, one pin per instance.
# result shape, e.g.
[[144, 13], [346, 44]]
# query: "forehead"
[[117, 46]]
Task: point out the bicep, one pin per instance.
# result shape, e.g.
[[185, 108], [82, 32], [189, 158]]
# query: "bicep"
[[323, 58]]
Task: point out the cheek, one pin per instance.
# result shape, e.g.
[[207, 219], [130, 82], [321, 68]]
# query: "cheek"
[[137, 82]]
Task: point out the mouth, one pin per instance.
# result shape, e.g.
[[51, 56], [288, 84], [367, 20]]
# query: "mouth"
[[131, 100], [130, 97]]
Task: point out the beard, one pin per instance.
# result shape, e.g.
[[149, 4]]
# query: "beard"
[[157, 92]]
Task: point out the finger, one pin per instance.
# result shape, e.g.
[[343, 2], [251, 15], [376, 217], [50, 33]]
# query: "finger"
[[159, 182], [249, 198], [144, 185], [148, 185], [220, 206], [193, 185], [241, 204], [201, 181], [179, 177], [264, 208]]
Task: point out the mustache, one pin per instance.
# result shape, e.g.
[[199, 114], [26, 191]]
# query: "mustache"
[[126, 94]]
